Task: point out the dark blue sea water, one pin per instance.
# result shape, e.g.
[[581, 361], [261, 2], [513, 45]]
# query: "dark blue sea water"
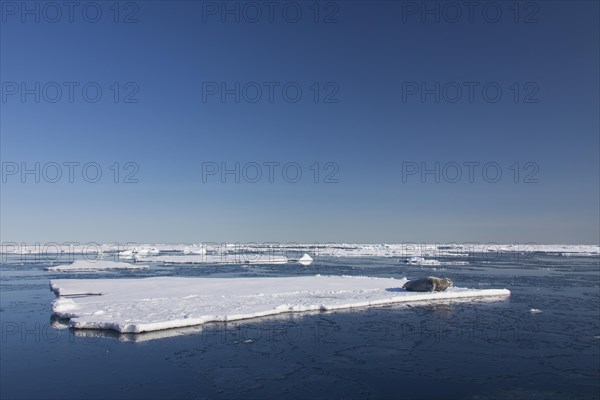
[[470, 350]]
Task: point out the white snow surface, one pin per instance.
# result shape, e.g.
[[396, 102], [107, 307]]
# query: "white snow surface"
[[151, 304], [96, 265], [216, 259]]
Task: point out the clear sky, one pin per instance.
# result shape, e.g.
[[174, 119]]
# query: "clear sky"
[[368, 72]]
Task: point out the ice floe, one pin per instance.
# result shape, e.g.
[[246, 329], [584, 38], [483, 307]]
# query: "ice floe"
[[150, 304], [225, 259], [431, 262], [96, 265], [305, 259], [421, 261], [194, 250]]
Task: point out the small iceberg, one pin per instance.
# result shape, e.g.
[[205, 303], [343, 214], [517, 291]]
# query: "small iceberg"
[[305, 260]]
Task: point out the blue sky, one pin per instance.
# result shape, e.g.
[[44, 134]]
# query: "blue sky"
[[363, 58]]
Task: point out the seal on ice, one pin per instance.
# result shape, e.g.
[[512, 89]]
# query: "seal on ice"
[[429, 284]]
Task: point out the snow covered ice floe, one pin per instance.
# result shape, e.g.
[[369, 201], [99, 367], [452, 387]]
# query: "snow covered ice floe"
[[224, 259], [96, 265], [150, 304]]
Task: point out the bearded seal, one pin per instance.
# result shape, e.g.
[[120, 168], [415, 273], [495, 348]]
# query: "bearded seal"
[[429, 284]]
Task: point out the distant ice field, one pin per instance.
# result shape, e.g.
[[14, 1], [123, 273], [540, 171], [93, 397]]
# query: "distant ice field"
[[133, 250]]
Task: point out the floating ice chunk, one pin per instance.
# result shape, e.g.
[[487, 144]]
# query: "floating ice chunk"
[[150, 304], [138, 252], [63, 305], [422, 261], [535, 311], [126, 254], [194, 250], [83, 265], [456, 263], [305, 260], [146, 251]]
